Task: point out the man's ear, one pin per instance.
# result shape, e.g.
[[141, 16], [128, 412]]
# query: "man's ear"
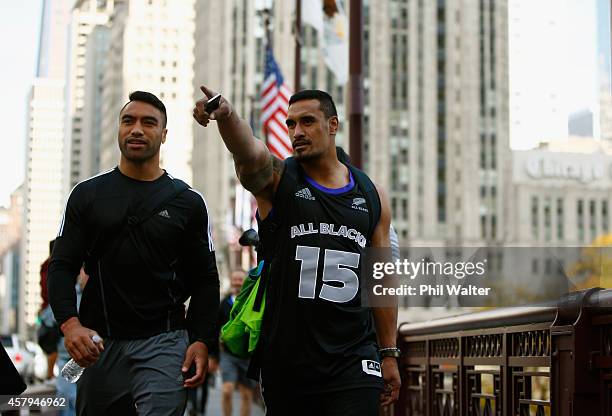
[[334, 124], [164, 135]]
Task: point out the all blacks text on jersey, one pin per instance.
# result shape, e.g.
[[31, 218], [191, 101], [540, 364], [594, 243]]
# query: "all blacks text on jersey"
[[328, 229]]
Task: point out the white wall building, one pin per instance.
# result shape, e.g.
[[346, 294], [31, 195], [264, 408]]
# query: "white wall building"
[[43, 203], [151, 49], [81, 159], [561, 194]]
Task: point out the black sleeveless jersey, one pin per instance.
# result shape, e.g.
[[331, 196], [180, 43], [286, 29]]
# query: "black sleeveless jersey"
[[316, 331]]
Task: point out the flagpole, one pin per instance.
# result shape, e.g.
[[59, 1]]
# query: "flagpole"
[[267, 13], [356, 82], [298, 46]]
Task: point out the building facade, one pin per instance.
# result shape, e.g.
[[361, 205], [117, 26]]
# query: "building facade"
[[81, 159], [561, 194], [11, 223], [43, 205], [151, 48], [45, 132], [436, 105]]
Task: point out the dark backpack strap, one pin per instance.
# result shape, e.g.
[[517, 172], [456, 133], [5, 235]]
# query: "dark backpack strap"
[[146, 209], [261, 289], [372, 198], [150, 206]]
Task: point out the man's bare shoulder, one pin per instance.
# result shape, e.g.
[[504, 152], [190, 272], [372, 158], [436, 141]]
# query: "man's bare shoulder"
[[278, 166], [264, 181]]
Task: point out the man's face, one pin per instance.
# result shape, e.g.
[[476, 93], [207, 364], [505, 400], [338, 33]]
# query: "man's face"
[[141, 131], [311, 133], [236, 280]]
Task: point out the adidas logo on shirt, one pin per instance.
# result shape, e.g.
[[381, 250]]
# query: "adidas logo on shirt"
[[164, 214], [305, 193], [371, 367]]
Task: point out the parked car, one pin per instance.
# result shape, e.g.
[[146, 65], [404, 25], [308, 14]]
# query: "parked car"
[[22, 359]]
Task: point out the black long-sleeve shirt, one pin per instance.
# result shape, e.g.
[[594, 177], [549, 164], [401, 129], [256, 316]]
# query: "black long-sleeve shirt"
[[138, 286]]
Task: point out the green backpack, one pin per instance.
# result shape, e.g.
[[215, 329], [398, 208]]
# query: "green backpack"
[[240, 334]]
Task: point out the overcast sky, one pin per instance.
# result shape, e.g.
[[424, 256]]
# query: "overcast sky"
[[19, 26]]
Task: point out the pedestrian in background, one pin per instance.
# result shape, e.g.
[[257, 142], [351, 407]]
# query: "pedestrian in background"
[[47, 333], [233, 369]]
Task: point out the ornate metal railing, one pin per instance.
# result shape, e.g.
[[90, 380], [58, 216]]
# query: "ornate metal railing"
[[527, 361]]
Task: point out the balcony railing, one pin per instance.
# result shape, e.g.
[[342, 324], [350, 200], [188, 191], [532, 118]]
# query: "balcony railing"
[[523, 361]]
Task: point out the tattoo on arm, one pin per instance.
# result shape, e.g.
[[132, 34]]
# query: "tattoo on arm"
[[255, 182], [277, 165]]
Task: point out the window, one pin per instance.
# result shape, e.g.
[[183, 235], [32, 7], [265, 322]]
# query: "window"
[[483, 226], [560, 219], [534, 266], [592, 219], [580, 219], [534, 217], [547, 220], [605, 222]]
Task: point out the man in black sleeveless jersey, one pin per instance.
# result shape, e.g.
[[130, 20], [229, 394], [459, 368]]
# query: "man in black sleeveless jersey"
[[141, 273], [322, 352]]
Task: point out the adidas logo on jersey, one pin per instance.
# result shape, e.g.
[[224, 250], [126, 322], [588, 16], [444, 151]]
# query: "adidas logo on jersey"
[[164, 213], [305, 193], [371, 367]]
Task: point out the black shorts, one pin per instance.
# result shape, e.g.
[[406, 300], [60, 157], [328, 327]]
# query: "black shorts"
[[283, 400]]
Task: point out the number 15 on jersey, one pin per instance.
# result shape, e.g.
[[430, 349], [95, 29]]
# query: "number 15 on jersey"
[[333, 271]]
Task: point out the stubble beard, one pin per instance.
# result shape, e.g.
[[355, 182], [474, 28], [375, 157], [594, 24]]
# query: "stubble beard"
[[139, 157]]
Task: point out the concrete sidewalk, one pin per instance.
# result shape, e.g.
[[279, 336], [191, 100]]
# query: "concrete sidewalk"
[[213, 407]]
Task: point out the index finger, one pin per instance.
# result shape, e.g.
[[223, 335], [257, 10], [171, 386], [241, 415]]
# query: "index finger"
[[207, 91]]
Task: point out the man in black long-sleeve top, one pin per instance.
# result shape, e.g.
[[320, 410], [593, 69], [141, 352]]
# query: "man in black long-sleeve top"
[[138, 286]]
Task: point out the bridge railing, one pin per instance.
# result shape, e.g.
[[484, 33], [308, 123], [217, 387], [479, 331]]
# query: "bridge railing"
[[537, 360]]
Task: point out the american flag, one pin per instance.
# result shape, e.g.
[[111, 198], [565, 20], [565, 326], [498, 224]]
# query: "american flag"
[[274, 102]]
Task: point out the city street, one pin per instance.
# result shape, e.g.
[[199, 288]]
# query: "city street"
[[213, 407]]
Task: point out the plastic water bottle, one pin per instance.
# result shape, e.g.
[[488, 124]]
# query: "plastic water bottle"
[[72, 371]]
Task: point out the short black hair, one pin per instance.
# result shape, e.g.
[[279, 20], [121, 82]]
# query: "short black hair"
[[147, 97], [326, 103]]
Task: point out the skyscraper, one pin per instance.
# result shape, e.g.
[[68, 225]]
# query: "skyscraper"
[[151, 49], [81, 159], [44, 155], [436, 105]]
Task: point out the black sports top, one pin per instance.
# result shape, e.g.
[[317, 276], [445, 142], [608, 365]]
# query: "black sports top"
[[316, 330], [136, 291]]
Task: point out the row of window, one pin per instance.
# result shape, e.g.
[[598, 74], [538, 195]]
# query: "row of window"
[[591, 215]]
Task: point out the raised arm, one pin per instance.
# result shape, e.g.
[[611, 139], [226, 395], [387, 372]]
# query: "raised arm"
[[258, 171]]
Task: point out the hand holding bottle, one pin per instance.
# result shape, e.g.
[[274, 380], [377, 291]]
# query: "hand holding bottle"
[[80, 344]]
